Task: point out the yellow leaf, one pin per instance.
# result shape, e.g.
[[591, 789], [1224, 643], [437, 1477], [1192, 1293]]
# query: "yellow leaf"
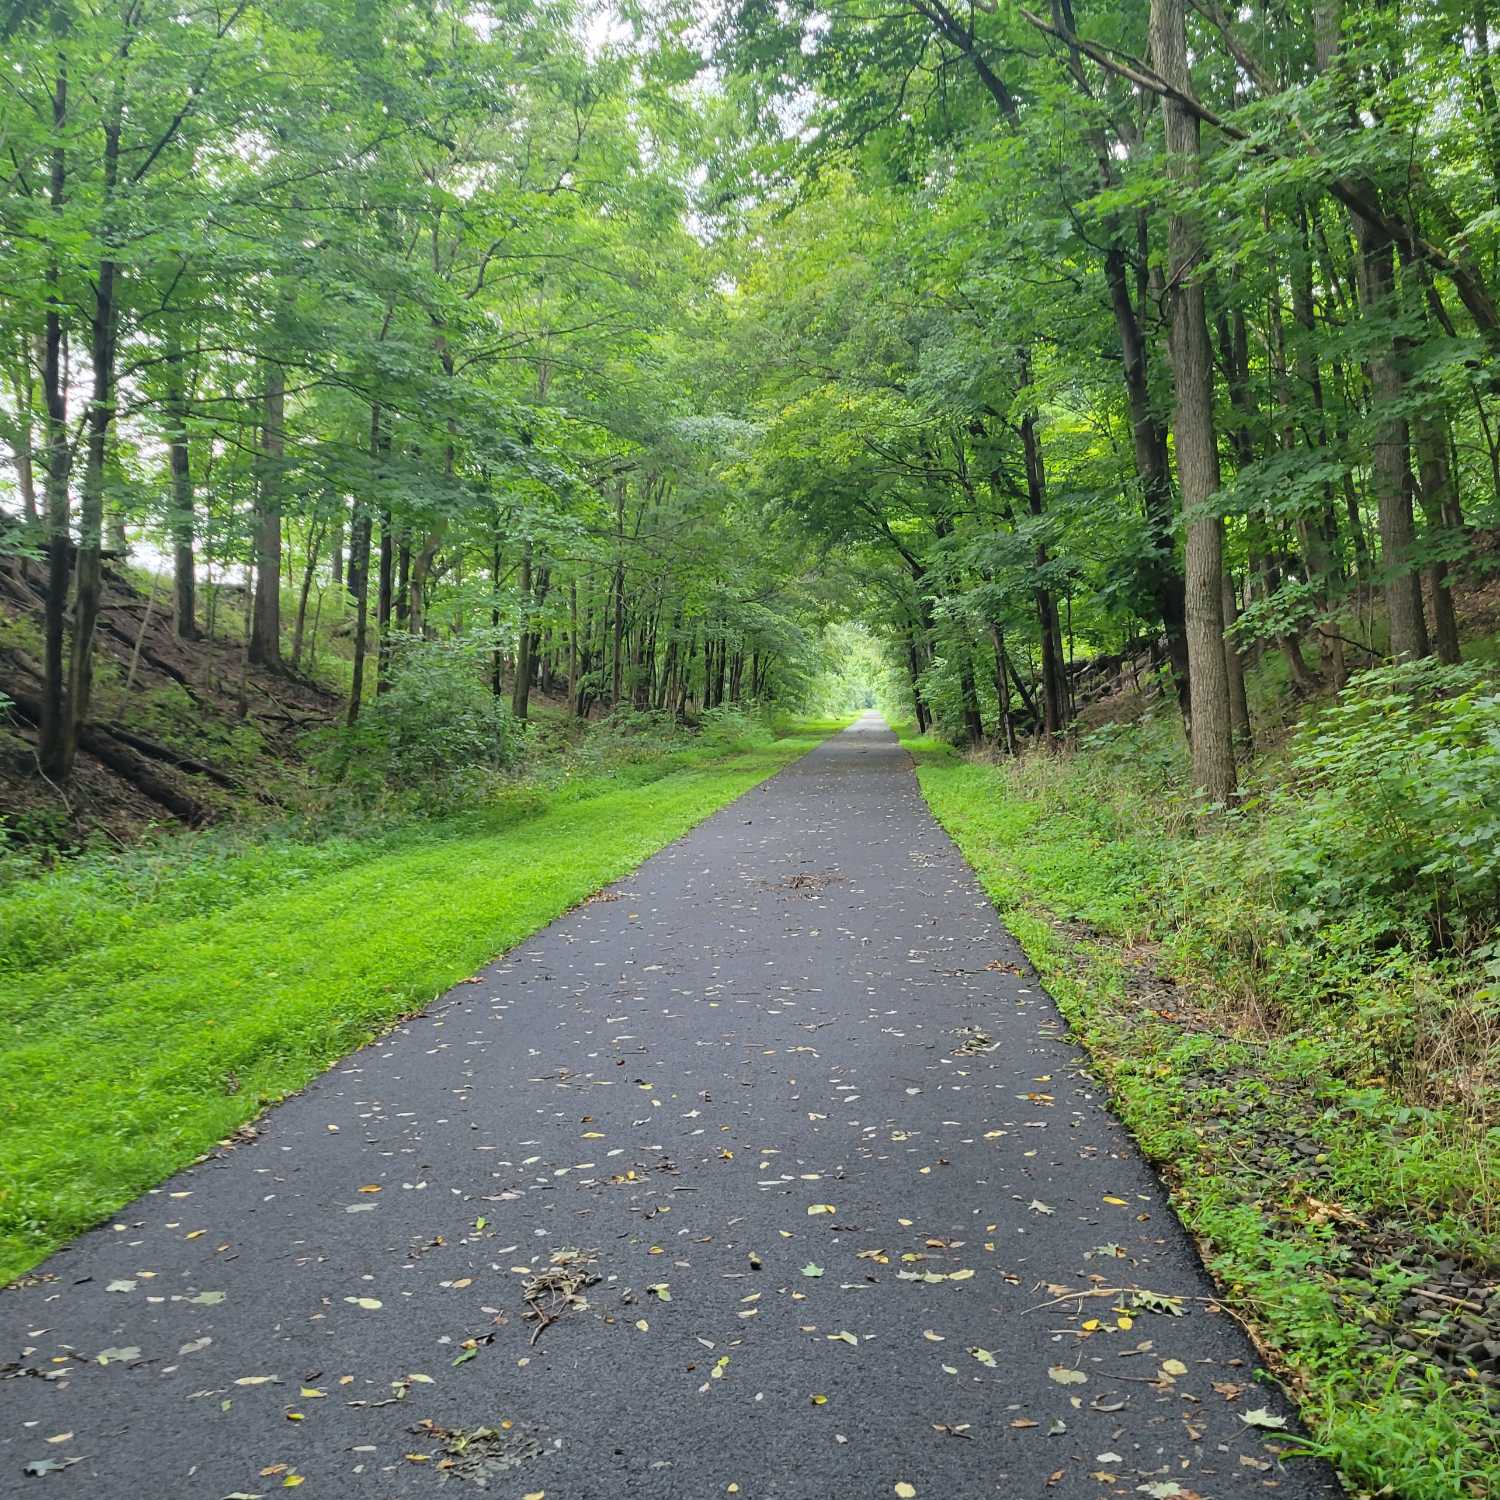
[[1173, 1367], [370, 1187], [821, 1208], [291, 1481], [309, 1392], [1118, 1202], [906, 1491], [818, 1400]]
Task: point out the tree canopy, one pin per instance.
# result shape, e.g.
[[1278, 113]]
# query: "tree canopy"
[[635, 348]]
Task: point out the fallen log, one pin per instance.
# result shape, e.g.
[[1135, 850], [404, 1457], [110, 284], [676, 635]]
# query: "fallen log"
[[124, 762], [174, 758]]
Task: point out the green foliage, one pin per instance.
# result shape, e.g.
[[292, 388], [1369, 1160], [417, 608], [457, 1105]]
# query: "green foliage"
[[729, 728], [436, 738], [1390, 806], [855, 674]]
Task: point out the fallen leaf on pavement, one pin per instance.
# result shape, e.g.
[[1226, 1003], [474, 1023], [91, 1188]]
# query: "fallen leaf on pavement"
[[1261, 1417]]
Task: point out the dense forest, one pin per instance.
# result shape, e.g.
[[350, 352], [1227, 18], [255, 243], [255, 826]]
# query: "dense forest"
[[418, 417], [1015, 336], [340, 330]]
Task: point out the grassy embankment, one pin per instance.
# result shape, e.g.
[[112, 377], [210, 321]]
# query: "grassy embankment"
[[154, 1001], [1316, 1078]]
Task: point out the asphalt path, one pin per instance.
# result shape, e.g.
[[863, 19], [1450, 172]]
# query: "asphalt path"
[[770, 1171]]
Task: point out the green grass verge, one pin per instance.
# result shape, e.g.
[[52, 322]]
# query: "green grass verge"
[[1203, 1101], [145, 1018]]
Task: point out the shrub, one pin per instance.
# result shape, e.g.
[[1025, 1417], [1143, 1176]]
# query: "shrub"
[[730, 728], [436, 737], [1393, 811]]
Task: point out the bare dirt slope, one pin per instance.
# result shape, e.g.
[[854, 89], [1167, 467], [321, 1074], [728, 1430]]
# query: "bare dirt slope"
[[181, 731]]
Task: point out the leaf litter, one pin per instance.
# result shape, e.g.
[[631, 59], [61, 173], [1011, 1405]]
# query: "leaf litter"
[[559, 1286]]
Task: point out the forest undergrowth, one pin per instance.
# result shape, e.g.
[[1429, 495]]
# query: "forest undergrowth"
[[1296, 1011]]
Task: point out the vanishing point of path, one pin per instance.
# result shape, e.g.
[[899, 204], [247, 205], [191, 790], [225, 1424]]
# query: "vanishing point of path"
[[843, 1180]]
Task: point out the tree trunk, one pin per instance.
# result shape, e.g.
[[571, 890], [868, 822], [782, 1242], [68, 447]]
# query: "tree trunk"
[[26, 432], [1234, 662], [1438, 503], [357, 576], [1054, 706], [336, 543], [1375, 280], [51, 728], [497, 686], [1403, 590], [1318, 528], [914, 667], [1005, 729], [1197, 445], [617, 664], [383, 594], [314, 541], [973, 723], [416, 587], [1163, 578], [184, 575], [520, 694], [1159, 572], [265, 626], [89, 580], [401, 603], [573, 645], [1484, 87]]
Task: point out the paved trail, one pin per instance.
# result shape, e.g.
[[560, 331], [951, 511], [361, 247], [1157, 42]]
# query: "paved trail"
[[790, 1065]]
